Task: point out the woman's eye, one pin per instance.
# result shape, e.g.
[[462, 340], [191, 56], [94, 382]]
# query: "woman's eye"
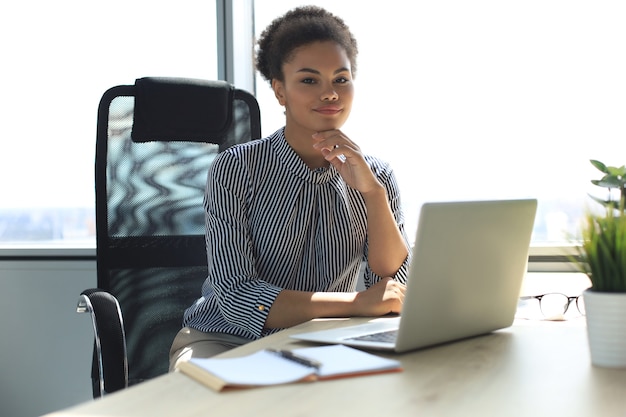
[[308, 81], [341, 80]]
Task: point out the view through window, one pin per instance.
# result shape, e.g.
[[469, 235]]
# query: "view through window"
[[485, 99], [467, 100], [59, 58]]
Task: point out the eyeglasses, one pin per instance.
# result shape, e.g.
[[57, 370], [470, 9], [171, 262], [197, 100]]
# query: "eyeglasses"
[[556, 304]]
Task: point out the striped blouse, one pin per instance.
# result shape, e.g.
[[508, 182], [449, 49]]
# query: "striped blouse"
[[272, 223]]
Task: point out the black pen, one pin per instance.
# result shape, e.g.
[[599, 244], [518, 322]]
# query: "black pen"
[[287, 354]]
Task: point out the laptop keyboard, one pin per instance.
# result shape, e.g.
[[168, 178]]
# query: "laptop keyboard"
[[388, 336]]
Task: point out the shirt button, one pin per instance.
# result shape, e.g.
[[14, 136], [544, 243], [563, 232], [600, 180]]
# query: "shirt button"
[[261, 307]]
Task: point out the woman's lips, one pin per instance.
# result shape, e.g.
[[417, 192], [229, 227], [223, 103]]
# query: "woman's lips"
[[328, 110]]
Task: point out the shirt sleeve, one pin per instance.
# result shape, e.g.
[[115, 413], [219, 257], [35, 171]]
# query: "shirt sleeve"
[[243, 298]]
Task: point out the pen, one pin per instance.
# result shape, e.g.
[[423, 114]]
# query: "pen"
[[287, 354]]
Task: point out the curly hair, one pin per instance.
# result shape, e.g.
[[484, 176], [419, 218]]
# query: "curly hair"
[[298, 27]]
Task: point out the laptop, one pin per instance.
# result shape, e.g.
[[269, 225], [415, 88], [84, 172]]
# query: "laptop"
[[465, 277]]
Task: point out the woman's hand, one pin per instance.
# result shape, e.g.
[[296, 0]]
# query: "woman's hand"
[[384, 297], [347, 158]]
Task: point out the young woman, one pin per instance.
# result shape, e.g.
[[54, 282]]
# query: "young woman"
[[291, 218]]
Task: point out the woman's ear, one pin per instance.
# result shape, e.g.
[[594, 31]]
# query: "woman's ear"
[[279, 91]]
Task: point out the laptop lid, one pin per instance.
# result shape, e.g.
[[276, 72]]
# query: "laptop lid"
[[469, 261]]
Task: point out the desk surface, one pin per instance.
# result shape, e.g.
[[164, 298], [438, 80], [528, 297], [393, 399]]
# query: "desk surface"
[[534, 368]]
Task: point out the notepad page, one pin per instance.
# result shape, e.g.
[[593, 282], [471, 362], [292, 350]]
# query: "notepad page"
[[260, 368], [339, 360]]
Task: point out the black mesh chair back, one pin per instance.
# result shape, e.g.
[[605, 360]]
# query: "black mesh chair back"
[[155, 142]]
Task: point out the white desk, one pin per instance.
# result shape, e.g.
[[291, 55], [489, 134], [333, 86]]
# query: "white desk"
[[533, 368]]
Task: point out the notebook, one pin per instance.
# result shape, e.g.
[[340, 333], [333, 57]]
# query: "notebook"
[[275, 367], [469, 261]]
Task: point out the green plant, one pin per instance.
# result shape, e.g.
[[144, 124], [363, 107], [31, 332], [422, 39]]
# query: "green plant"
[[602, 253], [614, 178]]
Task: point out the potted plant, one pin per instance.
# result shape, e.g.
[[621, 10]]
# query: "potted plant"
[[602, 257]]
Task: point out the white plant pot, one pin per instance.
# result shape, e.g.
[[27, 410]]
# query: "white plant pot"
[[606, 328]]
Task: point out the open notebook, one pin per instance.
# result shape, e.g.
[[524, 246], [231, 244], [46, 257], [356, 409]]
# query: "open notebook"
[[469, 260], [274, 367]]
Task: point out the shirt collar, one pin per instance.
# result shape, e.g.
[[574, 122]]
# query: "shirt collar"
[[292, 161]]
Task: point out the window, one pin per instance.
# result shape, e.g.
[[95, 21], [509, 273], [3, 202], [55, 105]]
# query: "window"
[[467, 100], [485, 99], [59, 58]]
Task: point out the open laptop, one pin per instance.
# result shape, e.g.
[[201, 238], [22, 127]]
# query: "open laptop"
[[465, 277]]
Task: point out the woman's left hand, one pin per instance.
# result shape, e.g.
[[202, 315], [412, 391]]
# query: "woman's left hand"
[[347, 158]]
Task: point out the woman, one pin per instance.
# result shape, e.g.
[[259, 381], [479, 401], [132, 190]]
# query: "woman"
[[292, 217]]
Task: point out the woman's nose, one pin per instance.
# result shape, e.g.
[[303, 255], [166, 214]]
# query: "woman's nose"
[[330, 95]]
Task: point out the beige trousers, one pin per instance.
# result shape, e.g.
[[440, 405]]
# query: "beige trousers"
[[191, 343]]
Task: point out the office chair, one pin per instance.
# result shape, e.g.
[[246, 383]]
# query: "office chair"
[[155, 141]]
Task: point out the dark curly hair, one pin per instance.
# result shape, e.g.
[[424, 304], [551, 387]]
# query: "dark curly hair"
[[298, 27]]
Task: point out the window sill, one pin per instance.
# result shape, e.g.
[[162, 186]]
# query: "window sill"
[[54, 253]]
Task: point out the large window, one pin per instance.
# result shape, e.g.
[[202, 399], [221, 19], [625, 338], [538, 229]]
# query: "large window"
[[58, 59], [467, 99], [485, 98]]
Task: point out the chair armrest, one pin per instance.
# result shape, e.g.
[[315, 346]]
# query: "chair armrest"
[[110, 366]]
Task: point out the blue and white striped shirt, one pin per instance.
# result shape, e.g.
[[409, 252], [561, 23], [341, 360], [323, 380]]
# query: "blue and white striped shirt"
[[273, 224]]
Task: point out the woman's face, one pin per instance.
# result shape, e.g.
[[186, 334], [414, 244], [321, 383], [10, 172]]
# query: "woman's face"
[[317, 90]]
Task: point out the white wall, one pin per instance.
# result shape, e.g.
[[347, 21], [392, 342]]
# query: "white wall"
[[45, 346]]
